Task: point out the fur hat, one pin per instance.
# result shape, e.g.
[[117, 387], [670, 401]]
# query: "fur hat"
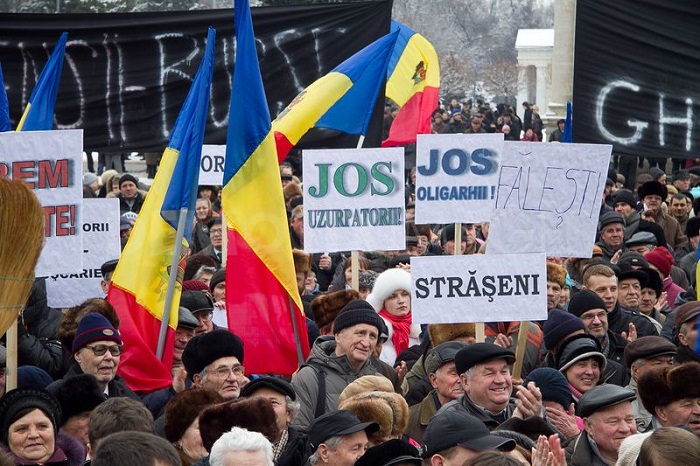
[[660, 388], [387, 282], [366, 383], [398, 411], [302, 261], [183, 409], [107, 176], [369, 408], [77, 395], [653, 188], [291, 190], [442, 333], [254, 414], [206, 348], [556, 274], [325, 307]]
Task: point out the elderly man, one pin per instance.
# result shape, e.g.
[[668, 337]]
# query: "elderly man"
[[641, 242], [214, 360], [625, 204], [556, 282], [291, 448], [201, 306], [672, 396], [338, 438], [608, 420], [216, 235], [611, 228], [130, 199], [444, 378], [644, 355], [241, 447], [454, 437], [653, 193], [335, 362]]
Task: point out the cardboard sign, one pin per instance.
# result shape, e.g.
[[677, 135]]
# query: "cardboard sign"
[[101, 243], [354, 200], [211, 167], [479, 288], [552, 190], [51, 163], [456, 177]]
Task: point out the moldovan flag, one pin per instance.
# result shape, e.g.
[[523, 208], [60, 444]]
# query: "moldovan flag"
[[262, 300], [38, 115], [342, 100], [4, 107], [567, 136], [413, 83], [140, 282]]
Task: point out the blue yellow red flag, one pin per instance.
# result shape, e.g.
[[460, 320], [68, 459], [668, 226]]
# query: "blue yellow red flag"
[[4, 107]]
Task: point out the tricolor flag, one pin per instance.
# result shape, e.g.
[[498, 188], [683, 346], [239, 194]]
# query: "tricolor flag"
[[4, 107], [567, 135], [413, 83], [140, 281], [342, 100], [38, 115], [262, 300]]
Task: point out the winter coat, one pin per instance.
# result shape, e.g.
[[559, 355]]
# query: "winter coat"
[[116, 387], [579, 452], [339, 373], [38, 344], [491, 421], [67, 452], [619, 319], [388, 350], [419, 416], [136, 208], [295, 452]]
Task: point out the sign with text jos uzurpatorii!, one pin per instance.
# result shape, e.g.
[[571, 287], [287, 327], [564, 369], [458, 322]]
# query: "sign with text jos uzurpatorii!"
[[51, 163], [456, 176], [549, 190], [479, 288], [354, 200], [101, 243]]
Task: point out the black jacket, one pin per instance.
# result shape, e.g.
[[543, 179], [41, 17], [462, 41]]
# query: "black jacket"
[[117, 386], [619, 319], [487, 418], [295, 453]]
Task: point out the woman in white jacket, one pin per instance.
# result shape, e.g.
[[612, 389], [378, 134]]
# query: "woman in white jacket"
[[391, 298]]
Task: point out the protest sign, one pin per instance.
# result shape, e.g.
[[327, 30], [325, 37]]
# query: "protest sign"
[[50, 162], [100, 226], [456, 176], [354, 200], [565, 182], [479, 288], [211, 167]]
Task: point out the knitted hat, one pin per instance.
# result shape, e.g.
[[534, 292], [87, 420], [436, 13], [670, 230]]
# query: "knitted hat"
[[609, 218], [357, 312], [325, 307], [77, 394], [558, 325], [19, 400], [33, 377], [128, 177], [183, 409], [89, 178], [661, 259], [218, 277], [556, 274], [254, 414], [660, 388], [584, 301], [194, 285], [387, 282], [94, 327], [656, 173], [206, 348], [552, 384], [626, 196], [652, 188]]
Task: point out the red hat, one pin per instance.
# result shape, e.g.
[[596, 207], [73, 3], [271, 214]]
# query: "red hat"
[[661, 259]]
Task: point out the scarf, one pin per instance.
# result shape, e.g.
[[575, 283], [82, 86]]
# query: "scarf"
[[279, 447], [402, 329], [576, 394]]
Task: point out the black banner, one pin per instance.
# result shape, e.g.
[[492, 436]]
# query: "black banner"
[[636, 72], [125, 76]]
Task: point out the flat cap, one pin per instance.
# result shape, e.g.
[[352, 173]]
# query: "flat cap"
[[640, 238], [687, 311], [477, 353], [609, 218], [186, 319], [337, 424], [273, 383], [603, 396], [442, 354], [648, 347]]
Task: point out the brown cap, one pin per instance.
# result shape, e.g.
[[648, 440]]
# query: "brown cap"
[[687, 311], [648, 347]]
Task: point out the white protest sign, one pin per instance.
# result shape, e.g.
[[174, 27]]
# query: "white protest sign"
[[456, 176], [354, 200], [51, 163], [501, 239], [100, 225], [479, 288], [211, 166], [565, 182]]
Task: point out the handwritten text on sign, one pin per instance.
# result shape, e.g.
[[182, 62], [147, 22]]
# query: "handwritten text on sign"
[[564, 182], [479, 288], [354, 200], [456, 177], [50, 162]]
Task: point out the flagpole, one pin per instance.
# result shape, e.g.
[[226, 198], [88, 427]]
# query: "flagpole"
[[179, 235], [300, 353]]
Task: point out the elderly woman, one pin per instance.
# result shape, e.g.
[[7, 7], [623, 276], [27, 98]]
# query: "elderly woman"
[[29, 419], [182, 422], [582, 363], [391, 298]]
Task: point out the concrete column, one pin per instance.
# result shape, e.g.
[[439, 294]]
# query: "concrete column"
[[541, 92], [562, 56], [523, 85]]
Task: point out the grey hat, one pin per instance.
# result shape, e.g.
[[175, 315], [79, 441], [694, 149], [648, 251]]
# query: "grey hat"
[[603, 396], [89, 178], [186, 319], [656, 173], [442, 354], [608, 218], [640, 238], [578, 348], [367, 279]]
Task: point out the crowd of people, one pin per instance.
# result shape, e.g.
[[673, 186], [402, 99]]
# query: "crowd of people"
[[610, 377]]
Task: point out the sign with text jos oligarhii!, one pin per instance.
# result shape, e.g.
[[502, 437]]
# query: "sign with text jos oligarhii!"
[[479, 288], [354, 200]]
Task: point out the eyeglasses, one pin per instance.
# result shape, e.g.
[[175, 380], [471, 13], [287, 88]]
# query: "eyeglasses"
[[216, 231], [599, 315], [205, 316], [101, 350], [223, 372]]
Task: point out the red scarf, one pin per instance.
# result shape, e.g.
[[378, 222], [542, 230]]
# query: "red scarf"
[[402, 329]]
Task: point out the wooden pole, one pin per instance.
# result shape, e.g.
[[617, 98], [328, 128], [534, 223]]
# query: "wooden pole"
[[355, 270], [520, 350], [11, 363]]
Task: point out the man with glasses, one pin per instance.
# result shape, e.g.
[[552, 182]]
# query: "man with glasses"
[[214, 360], [201, 306], [97, 348], [216, 232]]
